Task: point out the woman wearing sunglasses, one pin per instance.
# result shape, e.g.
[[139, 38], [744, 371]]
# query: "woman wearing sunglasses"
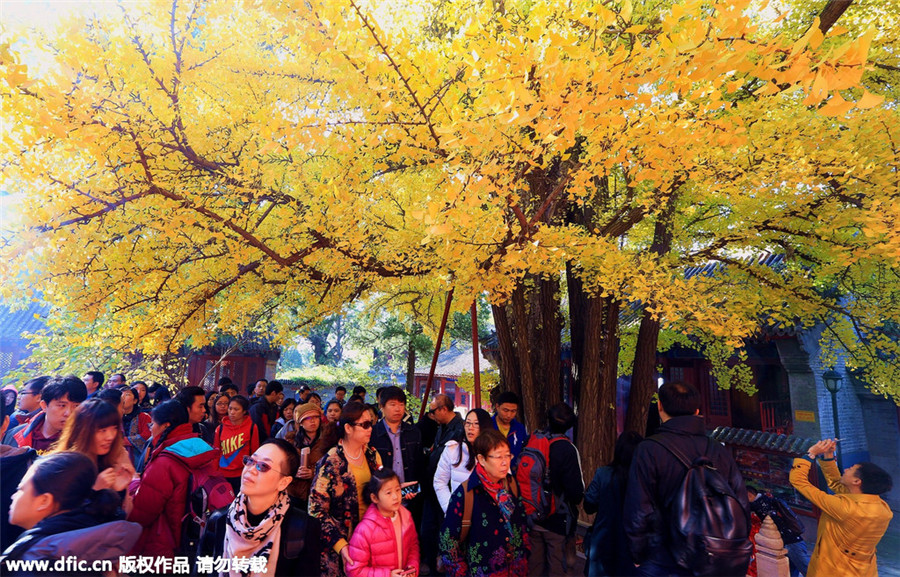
[[261, 524], [336, 495]]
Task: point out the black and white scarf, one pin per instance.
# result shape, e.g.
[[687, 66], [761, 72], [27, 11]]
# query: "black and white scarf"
[[262, 540]]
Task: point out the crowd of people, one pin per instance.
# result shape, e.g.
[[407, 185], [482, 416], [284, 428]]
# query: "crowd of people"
[[269, 484]]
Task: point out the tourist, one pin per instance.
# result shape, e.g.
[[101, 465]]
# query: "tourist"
[[497, 541], [93, 380], [14, 463], [335, 498], [261, 522], [135, 424], [606, 545], [339, 393], [853, 520], [29, 398], [113, 397], [553, 536], [143, 402], [285, 414], [56, 516], [264, 412], [158, 394], [59, 398], [385, 541], [655, 479], [333, 411], [219, 411], [450, 428], [307, 436], [160, 501], [505, 421], [95, 430], [458, 458], [237, 437]]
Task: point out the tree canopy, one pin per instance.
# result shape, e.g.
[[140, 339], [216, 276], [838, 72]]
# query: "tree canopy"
[[192, 168]]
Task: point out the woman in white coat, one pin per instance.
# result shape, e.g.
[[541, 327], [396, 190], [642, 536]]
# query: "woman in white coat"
[[458, 460]]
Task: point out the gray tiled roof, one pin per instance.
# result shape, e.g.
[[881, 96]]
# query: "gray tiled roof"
[[15, 322]]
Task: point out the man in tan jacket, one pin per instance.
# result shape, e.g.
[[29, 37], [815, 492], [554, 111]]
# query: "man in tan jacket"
[[853, 519]]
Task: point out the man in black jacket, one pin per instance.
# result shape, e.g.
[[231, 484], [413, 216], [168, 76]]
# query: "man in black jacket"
[[398, 443], [656, 474], [265, 412], [450, 428], [194, 400], [554, 537]]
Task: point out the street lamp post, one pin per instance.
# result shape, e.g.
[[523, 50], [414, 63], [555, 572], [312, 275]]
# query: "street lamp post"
[[832, 380]]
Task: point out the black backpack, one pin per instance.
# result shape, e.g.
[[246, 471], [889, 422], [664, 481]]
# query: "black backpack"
[[790, 523], [709, 529]]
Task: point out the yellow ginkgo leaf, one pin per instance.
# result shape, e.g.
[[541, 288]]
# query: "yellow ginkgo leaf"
[[869, 100]]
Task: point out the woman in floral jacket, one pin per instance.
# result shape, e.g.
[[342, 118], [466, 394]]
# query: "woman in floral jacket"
[[497, 540], [336, 495]]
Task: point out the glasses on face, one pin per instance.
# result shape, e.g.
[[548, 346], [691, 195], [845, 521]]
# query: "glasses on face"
[[260, 466], [470, 425], [502, 458], [365, 425]]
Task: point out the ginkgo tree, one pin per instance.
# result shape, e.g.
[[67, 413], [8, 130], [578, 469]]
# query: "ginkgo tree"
[[195, 168]]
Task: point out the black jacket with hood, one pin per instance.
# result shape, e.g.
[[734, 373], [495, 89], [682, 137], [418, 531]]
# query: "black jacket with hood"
[[656, 476]]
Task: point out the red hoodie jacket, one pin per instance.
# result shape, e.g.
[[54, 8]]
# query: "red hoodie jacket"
[[235, 442], [161, 498]]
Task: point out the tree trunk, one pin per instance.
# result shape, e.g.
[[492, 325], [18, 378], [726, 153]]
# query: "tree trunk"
[[509, 374], [550, 334], [536, 338], [410, 365], [643, 383], [607, 427], [590, 429], [523, 355]]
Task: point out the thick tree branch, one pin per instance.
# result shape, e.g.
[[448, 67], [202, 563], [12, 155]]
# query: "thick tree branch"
[[831, 12]]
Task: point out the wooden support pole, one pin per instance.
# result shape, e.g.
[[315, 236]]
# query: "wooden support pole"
[[476, 356], [437, 351]]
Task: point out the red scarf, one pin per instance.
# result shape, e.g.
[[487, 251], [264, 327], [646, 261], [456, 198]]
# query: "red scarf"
[[498, 492]]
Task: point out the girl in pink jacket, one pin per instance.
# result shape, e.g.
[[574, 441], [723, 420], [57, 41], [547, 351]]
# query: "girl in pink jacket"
[[385, 543]]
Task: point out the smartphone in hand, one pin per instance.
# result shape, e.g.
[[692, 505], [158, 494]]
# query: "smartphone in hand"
[[410, 490]]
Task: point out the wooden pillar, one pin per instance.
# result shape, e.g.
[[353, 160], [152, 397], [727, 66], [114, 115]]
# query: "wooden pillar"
[[475, 356], [771, 556], [437, 351]]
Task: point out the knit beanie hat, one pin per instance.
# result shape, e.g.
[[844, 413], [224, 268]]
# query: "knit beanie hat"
[[306, 410]]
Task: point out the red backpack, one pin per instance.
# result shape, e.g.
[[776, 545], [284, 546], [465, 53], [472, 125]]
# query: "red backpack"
[[206, 494], [533, 477]]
